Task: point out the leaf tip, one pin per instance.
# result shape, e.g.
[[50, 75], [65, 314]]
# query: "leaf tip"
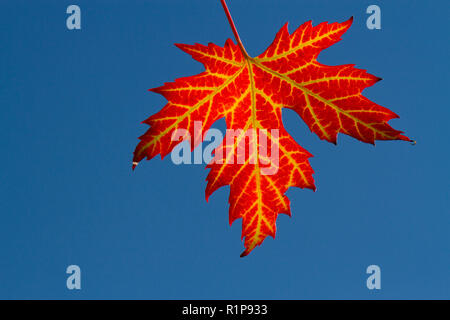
[[156, 90], [405, 138], [244, 253], [181, 46], [347, 24]]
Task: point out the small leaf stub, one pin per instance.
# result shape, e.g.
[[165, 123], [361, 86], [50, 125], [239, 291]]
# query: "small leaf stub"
[[249, 93]]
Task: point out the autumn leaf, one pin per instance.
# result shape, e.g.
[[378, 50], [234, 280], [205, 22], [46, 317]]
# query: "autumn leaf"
[[250, 93]]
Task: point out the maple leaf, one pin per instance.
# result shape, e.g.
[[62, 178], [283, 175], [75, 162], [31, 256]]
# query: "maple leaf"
[[250, 93]]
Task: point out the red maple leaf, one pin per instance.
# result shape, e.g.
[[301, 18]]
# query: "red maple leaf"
[[250, 93]]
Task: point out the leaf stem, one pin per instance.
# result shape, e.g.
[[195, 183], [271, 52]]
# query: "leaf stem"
[[233, 28]]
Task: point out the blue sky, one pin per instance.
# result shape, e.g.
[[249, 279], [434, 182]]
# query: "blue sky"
[[71, 103]]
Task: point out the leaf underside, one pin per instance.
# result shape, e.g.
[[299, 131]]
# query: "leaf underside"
[[250, 93]]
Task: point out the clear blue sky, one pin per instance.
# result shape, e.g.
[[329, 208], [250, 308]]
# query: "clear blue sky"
[[71, 103]]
